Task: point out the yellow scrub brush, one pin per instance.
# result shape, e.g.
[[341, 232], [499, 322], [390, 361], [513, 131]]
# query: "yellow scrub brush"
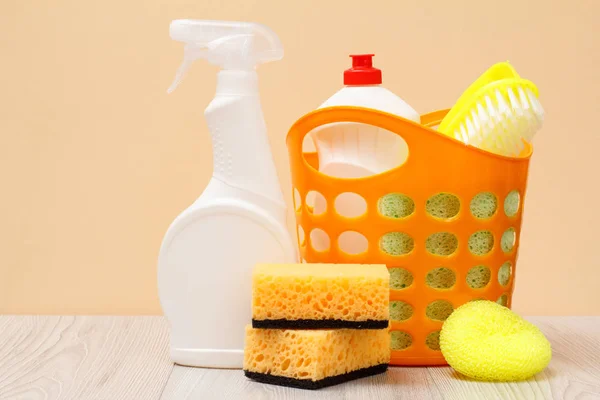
[[496, 113]]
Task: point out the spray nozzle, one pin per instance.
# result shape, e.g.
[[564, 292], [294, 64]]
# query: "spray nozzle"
[[230, 45]]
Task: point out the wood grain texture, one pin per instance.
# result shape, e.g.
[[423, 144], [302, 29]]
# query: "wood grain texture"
[[397, 383], [53, 357], [574, 373], [127, 358]]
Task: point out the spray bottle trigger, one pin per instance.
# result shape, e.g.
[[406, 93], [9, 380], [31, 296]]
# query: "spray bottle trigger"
[[192, 53]]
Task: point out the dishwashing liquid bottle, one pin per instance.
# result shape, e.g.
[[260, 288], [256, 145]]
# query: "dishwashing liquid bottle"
[[207, 255], [356, 150], [353, 150]]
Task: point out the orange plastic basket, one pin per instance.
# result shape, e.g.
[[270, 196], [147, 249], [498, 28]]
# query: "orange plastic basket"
[[435, 164]]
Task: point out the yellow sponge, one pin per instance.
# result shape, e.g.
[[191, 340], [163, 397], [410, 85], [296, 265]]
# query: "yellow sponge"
[[320, 296], [312, 359], [486, 341]]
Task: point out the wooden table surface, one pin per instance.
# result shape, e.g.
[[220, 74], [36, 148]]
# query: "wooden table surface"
[[52, 357]]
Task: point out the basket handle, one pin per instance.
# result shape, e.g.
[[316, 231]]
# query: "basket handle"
[[411, 132]]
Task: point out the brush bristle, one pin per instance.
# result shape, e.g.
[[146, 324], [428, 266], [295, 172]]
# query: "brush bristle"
[[536, 106], [501, 121], [463, 133]]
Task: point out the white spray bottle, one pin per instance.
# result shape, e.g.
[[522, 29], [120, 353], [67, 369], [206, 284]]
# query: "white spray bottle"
[[207, 255]]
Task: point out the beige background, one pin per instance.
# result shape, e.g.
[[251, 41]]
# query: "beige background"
[[96, 160]]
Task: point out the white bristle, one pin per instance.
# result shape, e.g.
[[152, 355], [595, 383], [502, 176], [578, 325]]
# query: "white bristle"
[[522, 116], [457, 136], [482, 114], [492, 142], [508, 137], [516, 123], [476, 123], [486, 132], [487, 123], [501, 120], [523, 98], [530, 132], [509, 119], [536, 106], [491, 109], [494, 118], [471, 131], [463, 133], [519, 113], [535, 124], [493, 133], [475, 118], [519, 126], [503, 107], [502, 139], [528, 115], [514, 102]]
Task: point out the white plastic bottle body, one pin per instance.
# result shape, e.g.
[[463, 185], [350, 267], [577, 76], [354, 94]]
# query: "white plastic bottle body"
[[241, 151], [353, 150], [372, 96], [209, 251], [204, 275]]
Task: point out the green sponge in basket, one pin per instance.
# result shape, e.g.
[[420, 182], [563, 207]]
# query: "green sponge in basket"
[[486, 341]]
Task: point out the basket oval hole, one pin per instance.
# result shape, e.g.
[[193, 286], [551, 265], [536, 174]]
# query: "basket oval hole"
[[350, 205], [400, 278], [443, 205], [503, 300], [439, 310], [355, 150], [400, 340], [316, 202], [440, 278], [512, 203], [396, 243], [484, 205], [400, 310], [504, 273], [441, 243], [301, 236], [352, 242], [481, 243], [319, 240], [478, 277], [508, 240], [433, 340], [396, 205]]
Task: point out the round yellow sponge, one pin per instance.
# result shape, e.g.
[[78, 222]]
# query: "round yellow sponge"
[[486, 341]]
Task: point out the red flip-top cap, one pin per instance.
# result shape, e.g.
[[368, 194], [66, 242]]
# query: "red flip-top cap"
[[362, 71]]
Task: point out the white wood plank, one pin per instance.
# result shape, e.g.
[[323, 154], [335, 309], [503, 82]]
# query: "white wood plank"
[[574, 373], [127, 358], [201, 383], [55, 357]]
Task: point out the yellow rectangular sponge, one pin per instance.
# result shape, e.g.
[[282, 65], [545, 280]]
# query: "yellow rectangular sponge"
[[312, 359], [320, 296]]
